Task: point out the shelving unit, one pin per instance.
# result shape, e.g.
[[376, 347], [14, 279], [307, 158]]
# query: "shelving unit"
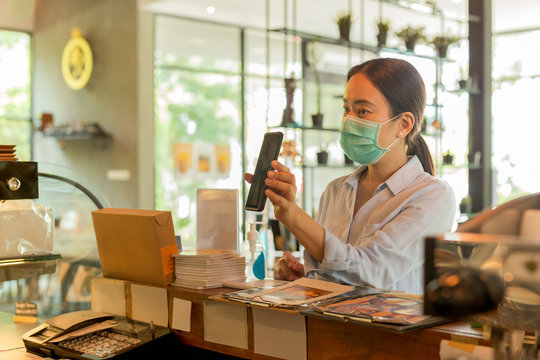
[[92, 132], [351, 44], [332, 75], [309, 170]]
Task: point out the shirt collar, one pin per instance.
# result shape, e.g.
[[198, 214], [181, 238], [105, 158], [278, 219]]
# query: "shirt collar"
[[405, 175], [398, 181]]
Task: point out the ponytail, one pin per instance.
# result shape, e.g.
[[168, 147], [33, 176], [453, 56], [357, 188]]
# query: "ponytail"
[[416, 145]]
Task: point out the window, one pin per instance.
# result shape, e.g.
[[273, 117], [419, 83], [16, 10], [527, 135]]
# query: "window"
[[15, 92], [516, 83], [197, 124]]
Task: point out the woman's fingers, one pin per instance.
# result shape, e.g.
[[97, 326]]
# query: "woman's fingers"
[[281, 272], [276, 199], [248, 177], [284, 272], [281, 173], [284, 188], [276, 165], [288, 268], [292, 262]]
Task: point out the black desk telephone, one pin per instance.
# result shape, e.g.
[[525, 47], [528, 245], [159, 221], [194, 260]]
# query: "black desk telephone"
[[93, 335]]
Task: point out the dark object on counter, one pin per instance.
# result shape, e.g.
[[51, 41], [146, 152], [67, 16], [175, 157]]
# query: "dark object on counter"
[[463, 291], [18, 180]]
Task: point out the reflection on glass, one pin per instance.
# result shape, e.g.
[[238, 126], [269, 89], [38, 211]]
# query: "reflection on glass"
[[196, 45], [63, 285], [15, 92], [197, 141]]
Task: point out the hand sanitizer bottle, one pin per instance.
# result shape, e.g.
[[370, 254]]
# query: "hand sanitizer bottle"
[[253, 251]]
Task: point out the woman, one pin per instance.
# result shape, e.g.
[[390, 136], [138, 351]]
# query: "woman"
[[371, 224]]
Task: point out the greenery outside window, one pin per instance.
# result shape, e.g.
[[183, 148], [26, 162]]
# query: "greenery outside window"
[[516, 83], [197, 121], [15, 92]]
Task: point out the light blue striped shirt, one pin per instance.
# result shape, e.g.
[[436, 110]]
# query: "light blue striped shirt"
[[383, 245]]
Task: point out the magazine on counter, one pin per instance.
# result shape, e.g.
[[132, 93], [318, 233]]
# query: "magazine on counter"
[[393, 308], [394, 311], [301, 292]]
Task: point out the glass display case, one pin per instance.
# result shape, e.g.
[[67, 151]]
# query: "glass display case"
[[58, 280]]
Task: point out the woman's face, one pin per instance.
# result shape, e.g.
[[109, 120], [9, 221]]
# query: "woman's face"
[[364, 101]]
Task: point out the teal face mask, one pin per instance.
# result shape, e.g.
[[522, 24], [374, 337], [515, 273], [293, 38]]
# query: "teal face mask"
[[360, 139]]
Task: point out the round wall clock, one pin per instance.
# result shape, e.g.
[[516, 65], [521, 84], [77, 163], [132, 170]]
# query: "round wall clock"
[[77, 61]]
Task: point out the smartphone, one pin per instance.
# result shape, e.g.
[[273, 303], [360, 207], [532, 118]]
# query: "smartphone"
[[271, 145]]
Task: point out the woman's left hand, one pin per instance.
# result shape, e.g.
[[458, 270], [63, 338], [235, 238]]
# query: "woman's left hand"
[[282, 192]]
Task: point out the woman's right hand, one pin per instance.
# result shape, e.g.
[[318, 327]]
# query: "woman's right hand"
[[288, 268]]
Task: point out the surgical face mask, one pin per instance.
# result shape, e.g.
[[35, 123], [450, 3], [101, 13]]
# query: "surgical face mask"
[[360, 139]]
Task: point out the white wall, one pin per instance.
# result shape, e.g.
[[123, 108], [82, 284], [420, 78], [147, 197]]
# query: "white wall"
[[110, 98]]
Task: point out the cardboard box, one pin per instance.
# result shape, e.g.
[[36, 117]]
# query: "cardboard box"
[[136, 245]]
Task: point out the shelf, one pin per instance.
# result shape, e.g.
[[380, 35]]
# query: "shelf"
[[352, 44], [463, 166], [91, 131], [328, 166], [470, 91], [303, 128], [28, 260], [312, 128], [428, 8], [26, 267], [77, 136]]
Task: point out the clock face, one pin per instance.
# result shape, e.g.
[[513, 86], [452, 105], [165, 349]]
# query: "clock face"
[[77, 62]]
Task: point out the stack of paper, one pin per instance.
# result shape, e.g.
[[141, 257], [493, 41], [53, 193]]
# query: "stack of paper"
[[7, 153], [207, 268]]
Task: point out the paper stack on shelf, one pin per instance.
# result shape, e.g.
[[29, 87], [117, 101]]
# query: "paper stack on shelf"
[[7, 153], [207, 268]]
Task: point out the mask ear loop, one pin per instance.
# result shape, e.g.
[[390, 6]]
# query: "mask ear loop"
[[393, 142], [392, 119], [402, 132]]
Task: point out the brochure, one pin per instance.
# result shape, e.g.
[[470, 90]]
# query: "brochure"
[[301, 292], [391, 308]]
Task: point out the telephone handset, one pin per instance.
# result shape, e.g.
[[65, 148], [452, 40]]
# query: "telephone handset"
[[77, 319], [91, 335], [65, 323]]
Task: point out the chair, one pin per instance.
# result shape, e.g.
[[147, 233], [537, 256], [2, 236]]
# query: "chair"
[[519, 216]]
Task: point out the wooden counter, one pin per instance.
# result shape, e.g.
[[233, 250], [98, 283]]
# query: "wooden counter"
[[329, 339]]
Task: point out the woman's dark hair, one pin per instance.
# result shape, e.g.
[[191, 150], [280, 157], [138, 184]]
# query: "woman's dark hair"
[[403, 88]]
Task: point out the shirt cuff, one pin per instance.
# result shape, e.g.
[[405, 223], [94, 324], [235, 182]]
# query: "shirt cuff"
[[335, 253]]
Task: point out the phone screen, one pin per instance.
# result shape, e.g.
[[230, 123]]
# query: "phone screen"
[[269, 151]]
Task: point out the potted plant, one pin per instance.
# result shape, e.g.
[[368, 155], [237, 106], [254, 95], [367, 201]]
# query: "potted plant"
[[465, 205], [322, 155], [288, 112], [410, 35], [344, 21], [463, 81], [442, 42], [382, 32], [317, 118], [448, 158]]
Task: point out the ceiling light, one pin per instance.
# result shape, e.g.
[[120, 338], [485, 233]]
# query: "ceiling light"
[[210, 9]]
